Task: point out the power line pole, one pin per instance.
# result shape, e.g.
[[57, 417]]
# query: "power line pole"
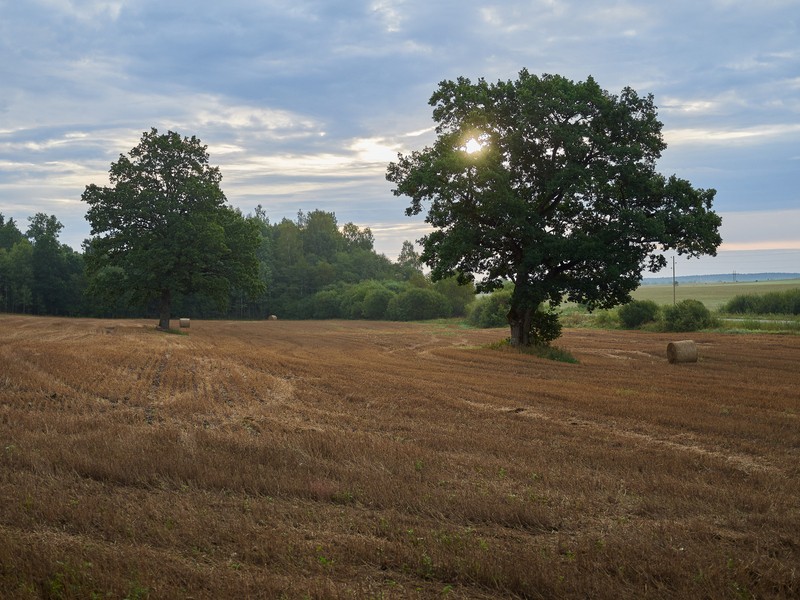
[[674, 283]]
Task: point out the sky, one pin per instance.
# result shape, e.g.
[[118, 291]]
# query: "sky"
[[303, 103]]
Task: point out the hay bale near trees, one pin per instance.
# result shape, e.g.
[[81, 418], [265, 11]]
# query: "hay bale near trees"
[[184, 323], [684, 351]]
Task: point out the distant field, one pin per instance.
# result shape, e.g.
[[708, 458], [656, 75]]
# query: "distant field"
[[713, 295], [346, 459]]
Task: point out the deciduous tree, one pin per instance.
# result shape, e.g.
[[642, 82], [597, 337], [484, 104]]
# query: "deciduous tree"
[[164, 220], [552, 185]]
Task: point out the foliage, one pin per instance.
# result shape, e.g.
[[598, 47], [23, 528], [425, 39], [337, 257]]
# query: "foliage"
[[38, 274], [353, 299], [786, 302], [9, 233], [409, 261], [377, 300], [606, 319], [759, 323], [562, 198], [544, 326], [491, 310], [308, 268], [326, 304], [415, 304], [164, 221], [638, 312], [687, 315], [376, 303], [459, 296], [311, 254]]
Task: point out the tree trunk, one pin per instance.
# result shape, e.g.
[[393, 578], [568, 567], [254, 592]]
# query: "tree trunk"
[[519, 319], [164, 309]]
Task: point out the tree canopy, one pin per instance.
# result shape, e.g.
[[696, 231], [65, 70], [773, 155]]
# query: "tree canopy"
[[39, 274], [549, 184], [308, 268], [163, 228]]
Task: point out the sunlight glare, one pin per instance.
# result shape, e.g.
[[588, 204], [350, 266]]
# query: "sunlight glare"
[[472, 146]]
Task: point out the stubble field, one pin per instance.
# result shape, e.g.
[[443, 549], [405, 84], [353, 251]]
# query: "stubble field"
[[384, 460]]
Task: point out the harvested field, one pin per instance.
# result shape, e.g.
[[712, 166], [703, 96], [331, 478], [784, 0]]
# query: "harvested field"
[[384, 460]]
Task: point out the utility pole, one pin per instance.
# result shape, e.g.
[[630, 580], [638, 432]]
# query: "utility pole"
[[674, 283]]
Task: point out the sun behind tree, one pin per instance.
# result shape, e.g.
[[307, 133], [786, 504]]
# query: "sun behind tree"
[[163, 228], [562, 199]]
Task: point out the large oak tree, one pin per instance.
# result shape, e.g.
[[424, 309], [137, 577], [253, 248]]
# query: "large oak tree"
[[163, 227], [550, 184]]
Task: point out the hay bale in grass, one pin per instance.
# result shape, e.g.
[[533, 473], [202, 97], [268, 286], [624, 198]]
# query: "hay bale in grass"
[[682, 352], [184, 323], [273, 318]]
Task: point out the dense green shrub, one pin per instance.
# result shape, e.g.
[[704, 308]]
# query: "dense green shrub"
[[376, 301], [490, 311], [459, 296], [393, 300], [353, 297], [416, 304], [326, 305], [742, 304], [776, 303], [607, 319], [638, 312], [545, 327], [687, 315]]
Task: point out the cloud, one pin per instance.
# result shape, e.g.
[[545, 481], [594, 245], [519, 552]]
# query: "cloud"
[[704, 106], [748, 136], [389, 237], [303, 102], [215, 113], [85, 10], [389, 12]]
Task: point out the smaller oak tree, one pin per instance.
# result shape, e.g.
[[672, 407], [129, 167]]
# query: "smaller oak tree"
[[164, 226], [549, 184]]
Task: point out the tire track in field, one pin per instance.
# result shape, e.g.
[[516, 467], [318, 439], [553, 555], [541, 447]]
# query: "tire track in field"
[[740, 461]]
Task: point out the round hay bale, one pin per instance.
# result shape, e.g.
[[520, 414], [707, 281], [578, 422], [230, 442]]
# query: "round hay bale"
[[273, 318], [184, 323], [682, 352]]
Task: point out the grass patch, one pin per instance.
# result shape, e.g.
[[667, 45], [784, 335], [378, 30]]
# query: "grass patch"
[[576, 316], [787, 324], [549, 352]]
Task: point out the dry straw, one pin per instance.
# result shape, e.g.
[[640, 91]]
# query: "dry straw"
[[684, 351]]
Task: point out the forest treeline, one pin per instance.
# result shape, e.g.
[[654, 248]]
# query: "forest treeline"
[[311, 268]]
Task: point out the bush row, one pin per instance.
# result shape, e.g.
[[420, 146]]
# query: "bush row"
[[686, 315], [771, 303], [387, 300]]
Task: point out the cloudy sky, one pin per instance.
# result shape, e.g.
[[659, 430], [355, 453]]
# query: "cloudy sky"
[[302, 103]]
